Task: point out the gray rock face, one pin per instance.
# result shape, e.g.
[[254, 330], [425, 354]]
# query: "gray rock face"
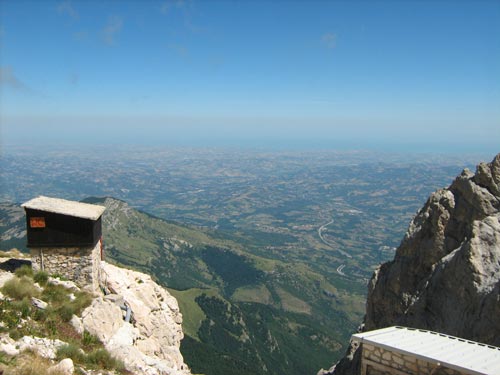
[[149, 345], [446, 273]]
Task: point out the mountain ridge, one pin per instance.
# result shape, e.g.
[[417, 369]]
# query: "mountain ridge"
[[217, 279], [445, 276]]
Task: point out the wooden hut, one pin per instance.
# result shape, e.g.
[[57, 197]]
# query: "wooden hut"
[[65, 238]]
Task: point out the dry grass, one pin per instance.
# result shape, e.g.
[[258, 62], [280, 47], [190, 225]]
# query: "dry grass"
[[19, 288], [29, 363], [13, 253], [24, 270]]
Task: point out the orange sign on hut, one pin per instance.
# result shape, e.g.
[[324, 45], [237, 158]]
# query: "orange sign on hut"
[[37, 222]]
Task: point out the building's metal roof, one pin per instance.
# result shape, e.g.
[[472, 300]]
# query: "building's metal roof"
[[65, 207], [452, 352]]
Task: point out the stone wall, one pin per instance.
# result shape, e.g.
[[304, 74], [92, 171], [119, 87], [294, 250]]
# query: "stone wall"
[[379, 361], [78, 264]]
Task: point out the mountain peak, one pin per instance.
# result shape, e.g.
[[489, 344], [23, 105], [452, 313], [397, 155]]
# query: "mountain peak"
[[445, 276]]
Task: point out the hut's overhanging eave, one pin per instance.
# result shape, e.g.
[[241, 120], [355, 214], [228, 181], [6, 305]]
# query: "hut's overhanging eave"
[[65, 207]]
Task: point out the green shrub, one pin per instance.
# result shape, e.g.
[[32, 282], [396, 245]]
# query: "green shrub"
[[24, 270], [56, 294], [19, 288], [89, 340], [23, 307], [15, 334], [66, 308], [102, 359], [41, 278], [40, 315], [52, 323], [8, 315], [82, 300], [71, 351], [5, 359], [66, 312]]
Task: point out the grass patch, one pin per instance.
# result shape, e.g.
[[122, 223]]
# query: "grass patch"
[[9, 315], [23, 307], [69, 308], [82, 301], [19, 288], [62, 304], [90, 341], [66, 312], [24, 270], [55, 294], [5, 359], [21, 318], [192, 314], [103, 359], [41, 278], [72, 351], [256, 294], [30, 363], [293, 304]]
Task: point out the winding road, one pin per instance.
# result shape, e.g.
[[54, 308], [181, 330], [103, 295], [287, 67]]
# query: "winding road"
[[320, 233], [347, 255], [340, 268]]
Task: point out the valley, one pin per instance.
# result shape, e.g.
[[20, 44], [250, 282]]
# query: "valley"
[[268, 253]]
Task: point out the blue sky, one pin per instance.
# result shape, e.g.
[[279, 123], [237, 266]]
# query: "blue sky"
[[423, 75]]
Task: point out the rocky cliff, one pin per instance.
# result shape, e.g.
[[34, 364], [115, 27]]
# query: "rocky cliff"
[[149, 343], [446, 273], [134, 327]]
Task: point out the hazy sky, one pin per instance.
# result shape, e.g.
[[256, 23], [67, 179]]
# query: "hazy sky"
[[419, 74]]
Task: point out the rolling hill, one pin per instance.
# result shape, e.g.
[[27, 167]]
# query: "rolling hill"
[[243, 313]]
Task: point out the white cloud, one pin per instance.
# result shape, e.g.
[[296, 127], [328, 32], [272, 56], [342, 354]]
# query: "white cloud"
[[112, 28], [67, 8], [329, 40]]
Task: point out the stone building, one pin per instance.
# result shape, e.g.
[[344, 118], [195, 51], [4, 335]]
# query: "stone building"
[[408, 351], [65, 238]]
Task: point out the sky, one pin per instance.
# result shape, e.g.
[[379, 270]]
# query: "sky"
[[421, 75]]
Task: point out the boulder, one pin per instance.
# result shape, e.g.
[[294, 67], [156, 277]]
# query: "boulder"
[[38, 303], [102, 319], [64, 367]]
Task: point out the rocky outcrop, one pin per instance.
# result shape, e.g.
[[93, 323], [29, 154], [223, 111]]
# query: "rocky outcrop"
[[446, 273], [149, 342], [137, 320], [44, 347]]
